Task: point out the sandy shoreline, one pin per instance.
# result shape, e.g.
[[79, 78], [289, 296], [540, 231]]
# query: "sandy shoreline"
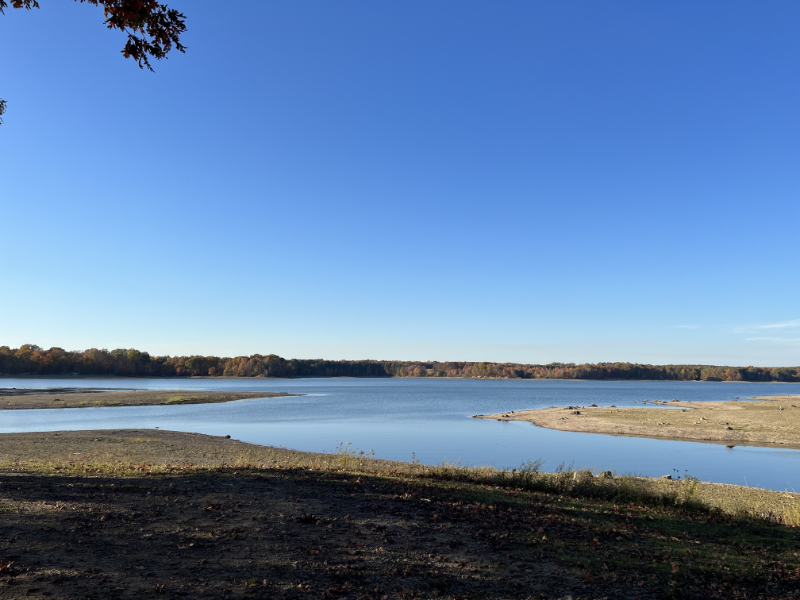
[[771, 421], [21, 399]]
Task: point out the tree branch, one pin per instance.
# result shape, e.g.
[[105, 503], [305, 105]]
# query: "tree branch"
[[153, 29]]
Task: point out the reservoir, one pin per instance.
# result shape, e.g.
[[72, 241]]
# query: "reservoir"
[[431, 420]]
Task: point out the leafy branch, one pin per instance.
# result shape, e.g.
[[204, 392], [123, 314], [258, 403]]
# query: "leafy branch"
[[153, 28]]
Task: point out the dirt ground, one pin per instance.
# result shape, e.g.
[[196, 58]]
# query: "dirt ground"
[[765, 421], [74, 528], [14, 399]]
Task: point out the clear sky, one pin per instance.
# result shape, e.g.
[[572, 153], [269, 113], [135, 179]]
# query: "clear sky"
[[501, 181]]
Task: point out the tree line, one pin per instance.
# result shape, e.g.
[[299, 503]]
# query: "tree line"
[[30, 359]]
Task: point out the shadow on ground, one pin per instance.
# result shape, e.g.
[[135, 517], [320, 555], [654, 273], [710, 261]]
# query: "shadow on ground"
[[297, 533]]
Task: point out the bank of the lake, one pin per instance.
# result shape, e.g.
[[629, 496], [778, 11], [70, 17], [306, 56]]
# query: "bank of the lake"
[[766, 421], [124, 514], [77, 397]]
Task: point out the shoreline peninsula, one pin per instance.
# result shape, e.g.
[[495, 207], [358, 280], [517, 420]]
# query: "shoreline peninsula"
[[21, 399], [763, 421]]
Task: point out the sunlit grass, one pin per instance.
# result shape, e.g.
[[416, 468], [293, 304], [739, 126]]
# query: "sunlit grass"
[[689, 494]]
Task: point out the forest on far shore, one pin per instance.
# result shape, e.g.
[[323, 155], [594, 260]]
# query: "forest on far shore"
[[30, 359]]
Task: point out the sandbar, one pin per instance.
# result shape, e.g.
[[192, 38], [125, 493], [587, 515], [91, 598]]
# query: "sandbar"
[[16, 399], [768, 421]]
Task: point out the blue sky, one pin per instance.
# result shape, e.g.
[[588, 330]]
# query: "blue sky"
[[516, 181]]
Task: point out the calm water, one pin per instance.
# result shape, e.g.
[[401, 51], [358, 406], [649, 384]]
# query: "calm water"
[[431, 418]]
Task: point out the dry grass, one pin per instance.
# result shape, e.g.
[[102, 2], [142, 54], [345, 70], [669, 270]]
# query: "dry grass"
[[141, 514], [160, 452]]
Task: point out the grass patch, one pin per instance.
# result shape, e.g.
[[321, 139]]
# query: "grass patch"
[[689, 495], [302, 525], [183, 399]]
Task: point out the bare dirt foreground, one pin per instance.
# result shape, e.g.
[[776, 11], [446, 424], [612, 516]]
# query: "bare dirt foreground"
[[765, 421], [11, 398], [130, 514]]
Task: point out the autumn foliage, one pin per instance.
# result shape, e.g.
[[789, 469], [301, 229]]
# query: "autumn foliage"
[[153, 28], [32, 360]]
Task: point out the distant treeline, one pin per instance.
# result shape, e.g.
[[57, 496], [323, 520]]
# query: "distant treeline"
[[33, 360]]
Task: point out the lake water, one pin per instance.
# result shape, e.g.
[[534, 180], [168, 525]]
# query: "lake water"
[[431, 418]]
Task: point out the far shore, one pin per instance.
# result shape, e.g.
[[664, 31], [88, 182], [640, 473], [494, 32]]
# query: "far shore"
[[768, 421], [21, 399], [267, 378]]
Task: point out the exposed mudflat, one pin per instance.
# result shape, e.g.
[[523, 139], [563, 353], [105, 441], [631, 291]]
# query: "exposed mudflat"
[[15, 399], [765, 421]]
